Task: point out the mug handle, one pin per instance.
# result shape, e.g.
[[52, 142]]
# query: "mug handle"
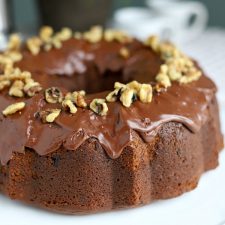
[[198, 12]]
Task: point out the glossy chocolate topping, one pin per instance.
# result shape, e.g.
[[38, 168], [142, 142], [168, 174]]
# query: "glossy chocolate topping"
[[95, 67]]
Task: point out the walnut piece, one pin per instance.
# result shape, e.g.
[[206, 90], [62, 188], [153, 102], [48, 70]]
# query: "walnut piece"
[[163, 80], [94, 35], [99, 106], [124, 52], [46, 33], [65, 34], [13, 108], [113, 96], [4, 84], [118, 85], [34, 45], [128, 93], [14, 42], [192, 75], [116, 35], [127, 97], [16, 89], [78, 98], [153, 42], [68, 104], [56, 42], [162, 77], [145, 93], [53, 95], [12, 74], [14, 56], [49, 115], [134, 85], [31, 87], [177, 66]]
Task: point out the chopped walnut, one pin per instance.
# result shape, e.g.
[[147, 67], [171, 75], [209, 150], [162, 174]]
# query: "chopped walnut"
[[49, 115], [78, 98], [68, 96], [118, 85], [94, 35], [46, 33], [174, 74], [116, 35], [113, 96], [134, 85], [124, 52], [16, 89], [192, 75], [56, 42], [53, 95], [14, 42], [25, 75], [14, 56], [8, 69], [109, 35], [34, 45], [99, 106], [65, 34], [15, 74], [163, 79], [77, 35], [153, 42], [128, 93], [168, 50], [159, 88], [5, 60], [31, 87], [13, 108], [145, 93], [128, 96], [68, 104], [4, 84]]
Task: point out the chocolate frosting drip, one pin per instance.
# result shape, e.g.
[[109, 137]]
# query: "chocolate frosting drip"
[[186, 104]]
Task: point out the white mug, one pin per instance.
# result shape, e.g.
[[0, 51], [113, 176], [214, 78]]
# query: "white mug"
[[167, 18], [189, 18]]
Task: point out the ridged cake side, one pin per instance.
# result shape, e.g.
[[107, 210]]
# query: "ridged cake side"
[[88, 180]]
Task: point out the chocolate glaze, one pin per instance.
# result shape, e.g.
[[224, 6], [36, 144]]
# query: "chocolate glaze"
[[95, 67]]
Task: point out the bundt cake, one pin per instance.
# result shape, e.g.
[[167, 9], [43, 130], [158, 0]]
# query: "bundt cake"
[[98, 120]]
